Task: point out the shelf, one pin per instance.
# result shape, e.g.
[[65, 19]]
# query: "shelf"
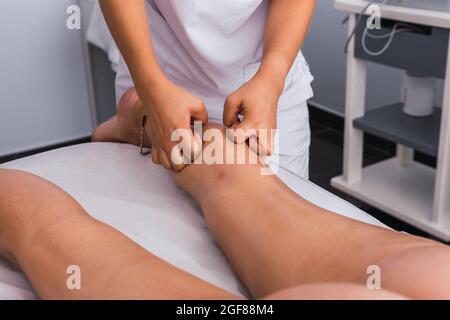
[[405, 191], [391, 123], [426, 17]]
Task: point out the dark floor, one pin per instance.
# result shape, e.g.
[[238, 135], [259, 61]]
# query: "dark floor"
[[326, 163]]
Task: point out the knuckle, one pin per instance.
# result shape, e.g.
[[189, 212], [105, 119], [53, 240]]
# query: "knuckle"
[[197, 104], [257, 123], [167, 165], [168, 151], [230, 101]]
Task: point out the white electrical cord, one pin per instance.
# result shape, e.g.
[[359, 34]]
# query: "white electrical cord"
[[391, 35], [358, 21]]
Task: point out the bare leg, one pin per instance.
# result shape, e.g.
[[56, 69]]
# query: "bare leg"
[[46, 235], [44, 231], [276, 240]]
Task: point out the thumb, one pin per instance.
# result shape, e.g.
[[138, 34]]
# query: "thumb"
[[231, 111], [200, 113]]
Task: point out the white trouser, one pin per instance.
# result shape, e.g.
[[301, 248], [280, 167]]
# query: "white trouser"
[[292, 150]]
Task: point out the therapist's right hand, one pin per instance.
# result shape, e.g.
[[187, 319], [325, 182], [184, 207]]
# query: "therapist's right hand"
[[169, 108]]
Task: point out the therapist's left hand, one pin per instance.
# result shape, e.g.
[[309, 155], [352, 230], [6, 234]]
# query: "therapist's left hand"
[[257, 102]]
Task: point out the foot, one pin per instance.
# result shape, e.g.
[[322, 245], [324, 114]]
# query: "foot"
[[124, 127]]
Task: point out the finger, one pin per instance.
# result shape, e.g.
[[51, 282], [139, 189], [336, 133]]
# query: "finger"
[[230, 132], [191, 147], [243, 131], [231, 111], [155, 156], [165, 161], [177, 158], [181, 147], [200, 114], [179, 167], [265, 142]]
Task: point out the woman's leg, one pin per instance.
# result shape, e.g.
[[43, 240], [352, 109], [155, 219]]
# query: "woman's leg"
[[44, 231], [276, 240], [52, 232]]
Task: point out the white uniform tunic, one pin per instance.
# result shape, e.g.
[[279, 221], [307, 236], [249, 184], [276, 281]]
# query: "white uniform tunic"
[[211, 48]]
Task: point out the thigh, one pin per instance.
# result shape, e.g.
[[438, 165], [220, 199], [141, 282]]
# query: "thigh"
[[411, 266], [420, 272], [356, 252], [66, 254]]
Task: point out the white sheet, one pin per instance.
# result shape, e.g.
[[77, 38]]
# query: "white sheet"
[[125, 190]]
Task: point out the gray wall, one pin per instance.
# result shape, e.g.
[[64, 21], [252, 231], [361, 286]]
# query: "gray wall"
[[43, 89], [324, 50]]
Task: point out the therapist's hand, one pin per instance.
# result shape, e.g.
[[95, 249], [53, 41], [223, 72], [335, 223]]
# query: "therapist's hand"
[[257, 102], [169, 108]]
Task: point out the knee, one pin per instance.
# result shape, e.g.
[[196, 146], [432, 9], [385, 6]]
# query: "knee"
[[8, 174], [22, 187], [28, 202], [420, 271], [12, 182], [14, 177]]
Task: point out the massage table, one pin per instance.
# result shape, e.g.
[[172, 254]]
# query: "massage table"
[[118, 186]]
